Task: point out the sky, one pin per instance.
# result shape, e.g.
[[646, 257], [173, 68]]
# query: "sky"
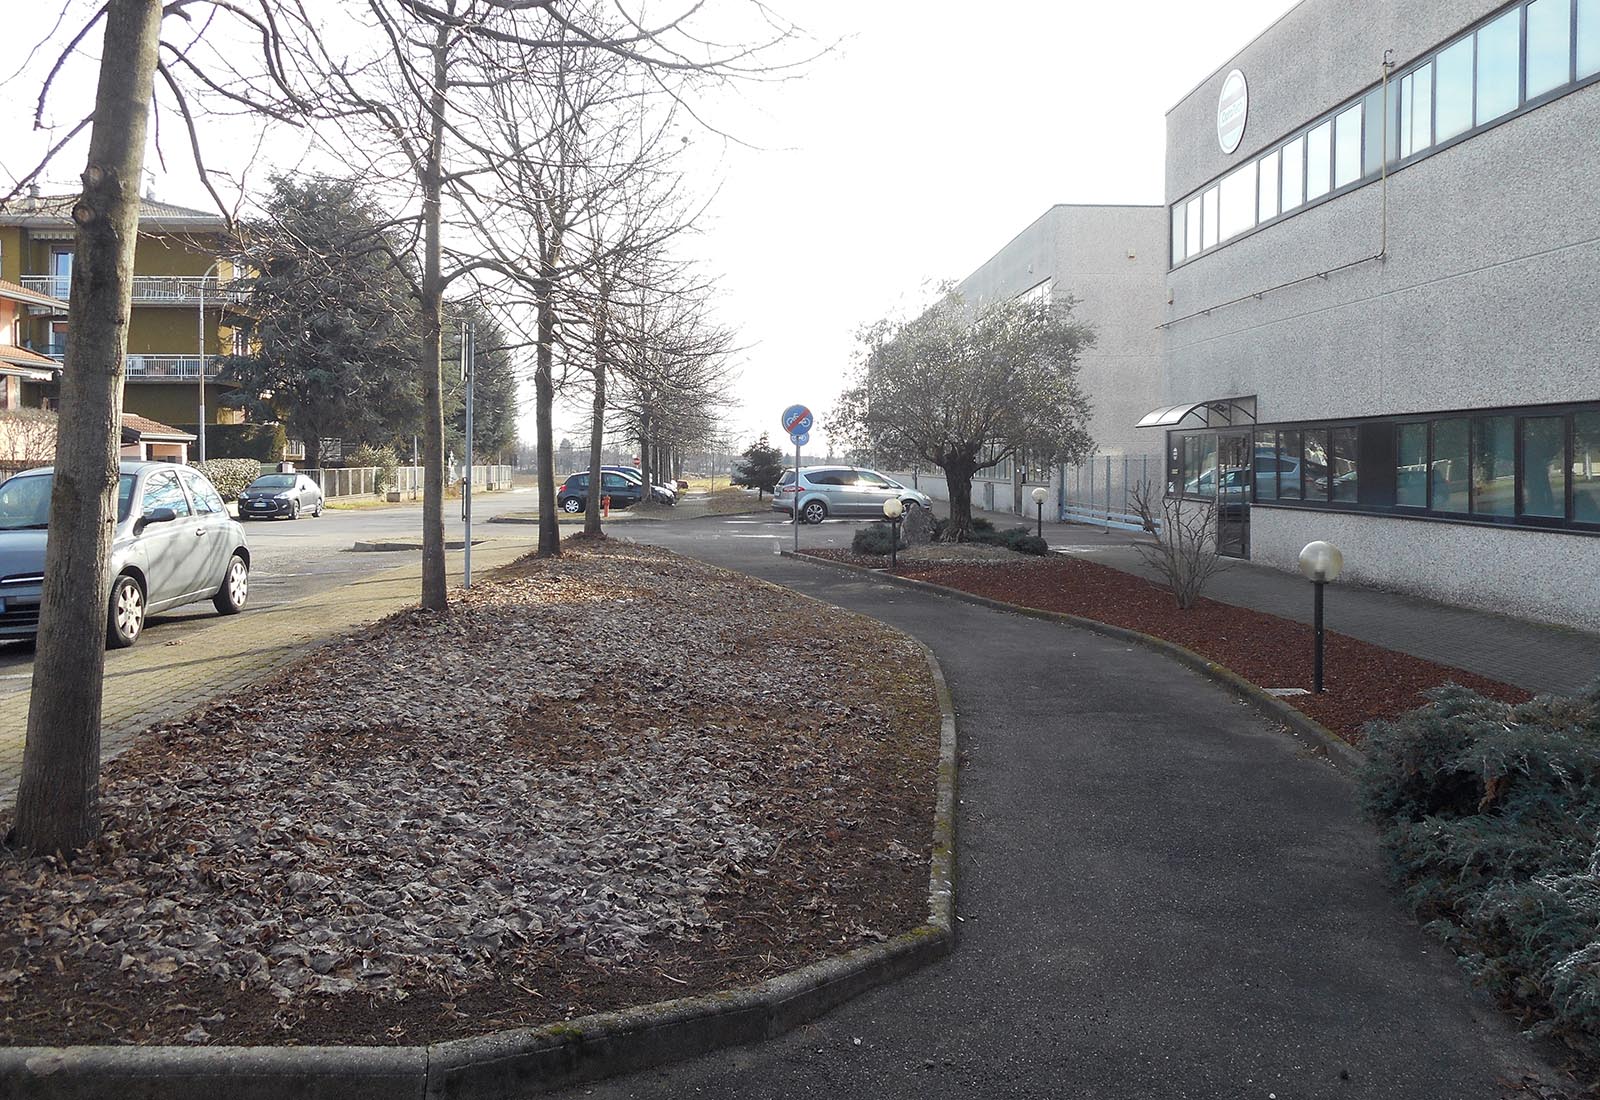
[[928, 136]]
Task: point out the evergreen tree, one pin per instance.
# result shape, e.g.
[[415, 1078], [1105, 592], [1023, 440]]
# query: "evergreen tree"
[[760, 466]]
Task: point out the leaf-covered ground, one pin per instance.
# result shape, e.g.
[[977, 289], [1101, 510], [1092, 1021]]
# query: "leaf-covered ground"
[[613, 778]]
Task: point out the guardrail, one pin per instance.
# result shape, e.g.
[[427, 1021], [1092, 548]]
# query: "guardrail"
[[148, 290]]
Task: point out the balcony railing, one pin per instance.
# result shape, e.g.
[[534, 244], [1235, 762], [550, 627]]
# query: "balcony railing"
[[148, 290], [165, 368]]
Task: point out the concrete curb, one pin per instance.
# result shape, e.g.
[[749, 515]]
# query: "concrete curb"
[[517, 1063], [1320, 740]]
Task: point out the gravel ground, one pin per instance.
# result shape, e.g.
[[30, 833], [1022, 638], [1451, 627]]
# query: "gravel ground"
[[584, 786]]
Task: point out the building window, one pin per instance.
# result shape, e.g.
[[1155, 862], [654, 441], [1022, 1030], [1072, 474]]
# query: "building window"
[[1452, 92], [1375, 123], [1347, 147], [1319, 161], [1544, 466], [1178, 233], [1267, 201], [1317, 463], [1208, 218], [1192, 224], [1447, 476], [1411, 467], [1586, 465], [1289, 468], [1494, 466], [1549, 46], [1344, 467], [1588, 38], [1266, 466], [1499, 67], [1294, 172], [1416, 111]]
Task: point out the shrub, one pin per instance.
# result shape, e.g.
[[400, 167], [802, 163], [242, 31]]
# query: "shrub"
[[383, 458], [230, 475], [874, 539], [1489, 816], [1023, 541]]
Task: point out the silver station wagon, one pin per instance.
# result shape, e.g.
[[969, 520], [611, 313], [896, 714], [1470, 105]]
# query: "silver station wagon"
[[174, 544], [826, 491]]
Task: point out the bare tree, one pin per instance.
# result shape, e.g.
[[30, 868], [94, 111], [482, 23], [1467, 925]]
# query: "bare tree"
[[58, 796], [1184, 553]]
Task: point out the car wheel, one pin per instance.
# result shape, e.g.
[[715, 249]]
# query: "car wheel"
[[294, 509], [814, 511], [906, 507], [125, 616], [316, 513], [235, 589], [572, 505]]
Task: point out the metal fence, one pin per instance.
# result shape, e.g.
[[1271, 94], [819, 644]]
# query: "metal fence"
[[1100, 491], [353, 481]]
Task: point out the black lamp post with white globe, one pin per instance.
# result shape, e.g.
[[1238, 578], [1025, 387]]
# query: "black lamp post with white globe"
[[893, 510], [1321, 562]]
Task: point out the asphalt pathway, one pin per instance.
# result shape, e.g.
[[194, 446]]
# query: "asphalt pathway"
[[1159, 896]]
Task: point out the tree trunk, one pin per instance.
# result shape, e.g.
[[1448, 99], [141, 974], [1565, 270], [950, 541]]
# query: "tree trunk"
[[958, 479], [644, 449], [313, 452], [597, 425], [58, 796], [434, 594], [544, 398]]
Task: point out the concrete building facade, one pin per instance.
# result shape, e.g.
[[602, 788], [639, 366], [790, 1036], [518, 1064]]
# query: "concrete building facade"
[[1380, 327], [1111, 261]]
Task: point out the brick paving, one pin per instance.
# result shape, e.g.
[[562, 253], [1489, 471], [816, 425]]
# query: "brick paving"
[[1534, 656], [165, 676]]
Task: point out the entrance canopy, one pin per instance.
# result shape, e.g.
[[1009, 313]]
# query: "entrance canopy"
[[1219, 412]]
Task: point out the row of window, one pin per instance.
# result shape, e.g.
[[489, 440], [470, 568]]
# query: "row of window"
[[1539, 469], [1529, 52]]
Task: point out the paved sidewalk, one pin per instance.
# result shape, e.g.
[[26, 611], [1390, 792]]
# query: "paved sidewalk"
[[155, 681], [1160, 897], [1530, 655]]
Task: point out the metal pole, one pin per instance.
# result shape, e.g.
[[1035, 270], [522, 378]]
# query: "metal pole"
[[894, 541], [797, 498], [469, 352], [1041, 519], [200, 370], [1316, 627]]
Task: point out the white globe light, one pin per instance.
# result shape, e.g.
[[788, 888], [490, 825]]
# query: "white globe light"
[[1039, 494], [892, 507], [1321, 561]]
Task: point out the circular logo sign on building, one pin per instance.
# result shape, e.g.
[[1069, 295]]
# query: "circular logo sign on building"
[[1233, 107]]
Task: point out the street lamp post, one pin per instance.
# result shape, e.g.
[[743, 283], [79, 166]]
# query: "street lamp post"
[[1039, 493], [893, 510], [1321, 562]]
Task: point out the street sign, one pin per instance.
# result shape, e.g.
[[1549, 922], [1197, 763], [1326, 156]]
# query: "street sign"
[[800, 439], [796, 418]]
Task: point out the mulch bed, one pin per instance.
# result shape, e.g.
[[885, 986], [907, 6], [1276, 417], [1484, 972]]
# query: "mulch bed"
[[1362, 682], [586, 786]]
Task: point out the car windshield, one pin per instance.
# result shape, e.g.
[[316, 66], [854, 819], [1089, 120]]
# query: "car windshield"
[[272, 481], [25, 501]]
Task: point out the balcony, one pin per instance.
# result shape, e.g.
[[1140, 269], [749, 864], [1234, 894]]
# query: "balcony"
[[148, 290], [166, 368]]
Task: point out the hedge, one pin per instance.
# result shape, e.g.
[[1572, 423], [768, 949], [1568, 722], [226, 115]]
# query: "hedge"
[[1489, 815], [230, 475]]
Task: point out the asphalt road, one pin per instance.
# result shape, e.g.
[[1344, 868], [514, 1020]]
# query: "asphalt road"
[[296, 558], [1159, 896]]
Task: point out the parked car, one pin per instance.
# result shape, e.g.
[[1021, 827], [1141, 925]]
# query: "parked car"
[[661, 494], [173, 544], [273, 495], [825, 491], [573, 496]]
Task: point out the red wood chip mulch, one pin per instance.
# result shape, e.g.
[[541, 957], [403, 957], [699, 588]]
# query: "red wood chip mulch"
[[1361, 681]]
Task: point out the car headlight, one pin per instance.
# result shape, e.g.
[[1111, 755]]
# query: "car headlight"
[[283, 496]]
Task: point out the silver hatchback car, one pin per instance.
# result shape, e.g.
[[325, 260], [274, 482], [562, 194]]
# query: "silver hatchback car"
[[825, 491], [174, 544]]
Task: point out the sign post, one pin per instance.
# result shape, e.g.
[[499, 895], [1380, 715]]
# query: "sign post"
[[797, 421], [469, 352]]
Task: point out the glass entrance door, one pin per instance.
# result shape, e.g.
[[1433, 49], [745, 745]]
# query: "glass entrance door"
[[1235, 455]]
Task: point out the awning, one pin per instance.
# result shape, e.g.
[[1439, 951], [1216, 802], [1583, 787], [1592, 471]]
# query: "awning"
[[22, 363], [1218, 412]]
